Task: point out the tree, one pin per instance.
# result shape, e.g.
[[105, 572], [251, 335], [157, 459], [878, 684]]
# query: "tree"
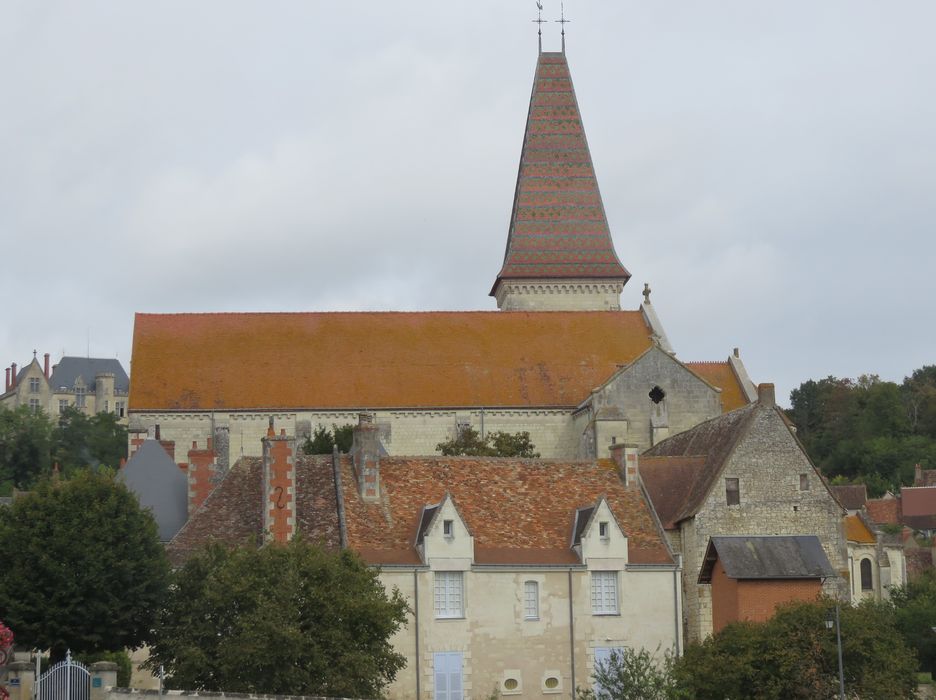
[[469, 443], [323, 441], [915, 617], [83, 566], [285, 619], [793, 655], [80, 441], [634, 675], [25, 446]]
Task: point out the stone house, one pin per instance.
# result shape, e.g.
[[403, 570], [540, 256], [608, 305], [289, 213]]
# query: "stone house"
[[521, 573], [561, 359], [90, 384], [742, 473]]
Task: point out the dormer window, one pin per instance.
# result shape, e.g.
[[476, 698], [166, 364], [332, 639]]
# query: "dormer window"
[[604, 530], [448, 528], [34, 385]]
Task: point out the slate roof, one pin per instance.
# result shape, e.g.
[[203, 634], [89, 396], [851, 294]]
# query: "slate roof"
[[851, 496], [884, 510], [67, 371], [160, 485], [378, 360], [558, 227], [772, 557], [519, 511]]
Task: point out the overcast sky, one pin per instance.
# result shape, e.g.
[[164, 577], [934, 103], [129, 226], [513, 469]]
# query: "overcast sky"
[[770, 169]]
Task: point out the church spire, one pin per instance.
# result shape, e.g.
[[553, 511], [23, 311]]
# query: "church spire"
[[559, 249]]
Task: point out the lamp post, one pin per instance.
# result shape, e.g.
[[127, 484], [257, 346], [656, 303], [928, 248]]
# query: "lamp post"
[[830, 621]]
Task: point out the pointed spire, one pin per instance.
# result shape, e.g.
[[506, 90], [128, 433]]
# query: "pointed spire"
[[558, 228], [562, 23], [539, 24]]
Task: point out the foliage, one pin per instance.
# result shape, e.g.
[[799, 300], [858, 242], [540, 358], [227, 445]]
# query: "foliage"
[[793, 655], [867, 430], [285, 619], [323, 440], [6, 649], [634, 675], [915, 616], [121, 658], [469, 443], [83, 566], [81, 441], [25, 446]]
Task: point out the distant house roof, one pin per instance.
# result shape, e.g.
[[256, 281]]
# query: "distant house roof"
[[918, 507], [883, 510], [519, 511], [160, 485], [857, 531], [774, 557], [67, 371], [852, 496]]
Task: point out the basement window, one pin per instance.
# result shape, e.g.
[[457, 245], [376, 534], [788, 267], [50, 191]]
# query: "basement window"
[[732, 492], [657, 394]]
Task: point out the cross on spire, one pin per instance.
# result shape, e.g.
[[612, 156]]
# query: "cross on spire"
[[563, 22], [539, 21]]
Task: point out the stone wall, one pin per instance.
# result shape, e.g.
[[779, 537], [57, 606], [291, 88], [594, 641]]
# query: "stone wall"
[[136, 694]]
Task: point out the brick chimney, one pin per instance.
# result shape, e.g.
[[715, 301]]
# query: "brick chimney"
[[45, 365], [201, 475], [7, 387], [365, 455], [918, 475], [13, 376], [625, 457], [279, 483], [766, 395], [167, 445]]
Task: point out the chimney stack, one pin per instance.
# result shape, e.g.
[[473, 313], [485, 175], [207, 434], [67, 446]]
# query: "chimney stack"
[[918, 475], [365, 456], [7, 388], [279, 483], [13, 376], [45, 368], [766, 395], [625, 457], [201, 475]]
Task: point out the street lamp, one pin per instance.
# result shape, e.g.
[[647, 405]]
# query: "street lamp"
[[829, 622]]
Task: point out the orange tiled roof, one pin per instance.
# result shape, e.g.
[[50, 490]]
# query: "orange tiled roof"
[[378, 360], [857, 531], [721, 375], [518, 510], [884, 510]]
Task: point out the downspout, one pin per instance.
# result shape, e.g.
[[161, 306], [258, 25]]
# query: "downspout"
[[339, 499], [571, 634], [416, 623], [677, 612]]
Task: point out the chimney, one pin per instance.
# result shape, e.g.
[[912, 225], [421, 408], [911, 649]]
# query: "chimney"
[[201, 475], [45, 368], [918, 475], [365, 456], [157, 431], [7, 388], [13, 376], [766, 395], [625, 457], [279, 484]]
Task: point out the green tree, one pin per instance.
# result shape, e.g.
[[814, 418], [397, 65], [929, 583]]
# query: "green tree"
[[793, 655], [469, 443], [80, 441], [323, 441], [25, 447], [83, 566], [634, 675], [915, 613], [285, 619]]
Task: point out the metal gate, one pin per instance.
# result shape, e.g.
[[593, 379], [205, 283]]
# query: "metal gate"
[[66, 680]]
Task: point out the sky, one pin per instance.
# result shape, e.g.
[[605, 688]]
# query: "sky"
[[768, 168]]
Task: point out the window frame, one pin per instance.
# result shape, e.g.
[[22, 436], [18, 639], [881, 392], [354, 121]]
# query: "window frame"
[[804, 482], [862, 569], [605, 589], [448, 528], [732, 495], [448, 595], [34, 385], [531, 607], [604, 530]]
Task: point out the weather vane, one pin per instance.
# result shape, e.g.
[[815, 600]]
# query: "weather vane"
[[539, 21], [563, 22]]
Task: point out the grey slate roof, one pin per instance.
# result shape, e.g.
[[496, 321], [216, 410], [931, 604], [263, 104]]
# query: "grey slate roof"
[[67, 371], [160, 485], [773, 557]]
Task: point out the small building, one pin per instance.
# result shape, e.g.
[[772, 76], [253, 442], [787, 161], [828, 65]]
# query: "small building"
[[750, 576], [876, 559]]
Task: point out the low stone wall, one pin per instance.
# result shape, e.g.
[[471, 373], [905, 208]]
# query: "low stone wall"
[[137, 694]]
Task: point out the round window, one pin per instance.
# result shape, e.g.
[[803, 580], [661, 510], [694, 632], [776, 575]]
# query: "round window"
[[511, 684], [551, 683]]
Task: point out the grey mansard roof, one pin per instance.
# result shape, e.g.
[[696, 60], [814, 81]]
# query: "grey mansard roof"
[[67, 371]]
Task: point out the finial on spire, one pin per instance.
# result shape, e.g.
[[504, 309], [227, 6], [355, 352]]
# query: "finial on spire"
[[539, 21], [563, 22], [646, 293]]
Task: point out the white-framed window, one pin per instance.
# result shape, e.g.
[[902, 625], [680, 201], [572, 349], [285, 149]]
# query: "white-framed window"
[[604, 530], [34, 385], [448, 528], [63, 404], [79, 397], [604, 593], [530, 600], [447, 671], [34, 405], [121, 409], [449, 594]]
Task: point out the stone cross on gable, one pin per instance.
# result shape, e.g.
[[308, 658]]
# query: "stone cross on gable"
[[646, 293]]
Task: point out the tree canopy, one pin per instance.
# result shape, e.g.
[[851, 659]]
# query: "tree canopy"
[[285, 619], [868, 430], [83, 566], [915, 616], [469, 443], [323, 441]]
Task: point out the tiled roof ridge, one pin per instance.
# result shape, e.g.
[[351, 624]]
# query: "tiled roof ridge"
[[423, 312]]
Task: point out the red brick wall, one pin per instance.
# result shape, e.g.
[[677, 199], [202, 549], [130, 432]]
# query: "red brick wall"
[[200, 475], [280, 490], [724, 598]]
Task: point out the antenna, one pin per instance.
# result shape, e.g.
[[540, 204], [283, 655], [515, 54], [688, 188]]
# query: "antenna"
[[562, 21], [539, 21]]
